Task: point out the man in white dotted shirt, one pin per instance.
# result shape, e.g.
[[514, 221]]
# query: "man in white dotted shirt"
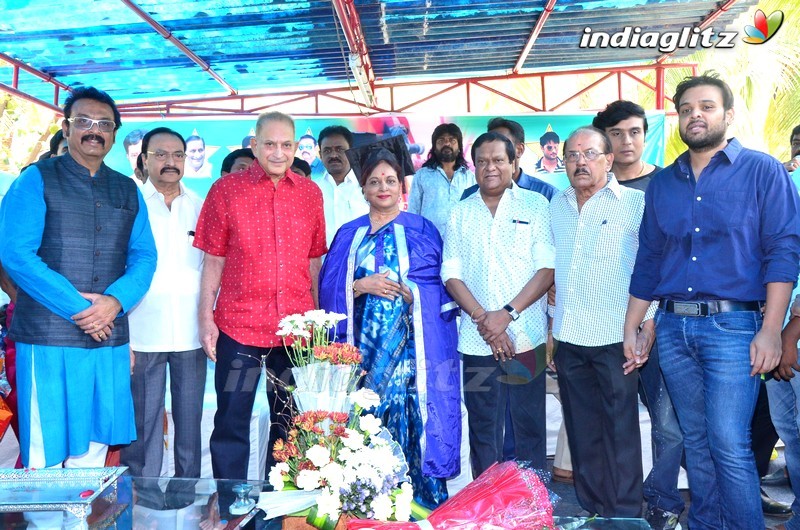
[[498, 265], [596, 227]]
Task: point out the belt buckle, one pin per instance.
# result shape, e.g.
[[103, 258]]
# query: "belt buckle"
[[690, 309]]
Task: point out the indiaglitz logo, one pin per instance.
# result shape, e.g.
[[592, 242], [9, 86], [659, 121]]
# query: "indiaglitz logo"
[[765, 27], [664, 42]]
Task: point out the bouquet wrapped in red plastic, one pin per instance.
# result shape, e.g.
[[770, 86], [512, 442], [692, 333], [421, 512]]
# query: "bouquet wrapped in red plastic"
[[507, 495]]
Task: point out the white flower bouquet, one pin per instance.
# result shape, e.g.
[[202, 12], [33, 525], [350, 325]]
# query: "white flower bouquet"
[[356, 465]]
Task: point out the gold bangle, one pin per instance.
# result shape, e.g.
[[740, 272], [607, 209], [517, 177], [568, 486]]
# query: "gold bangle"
[[355, 289], [473, 312]]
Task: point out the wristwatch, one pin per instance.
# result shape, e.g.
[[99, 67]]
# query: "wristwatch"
[[511, 311]]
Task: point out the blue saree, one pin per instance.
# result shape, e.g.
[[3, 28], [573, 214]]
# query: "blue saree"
[[409, 350]]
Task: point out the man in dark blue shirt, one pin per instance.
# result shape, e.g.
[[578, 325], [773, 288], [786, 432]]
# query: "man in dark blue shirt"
[[719, 237], [514, 132]]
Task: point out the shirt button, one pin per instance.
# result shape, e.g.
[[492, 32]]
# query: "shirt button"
[[690, 289], [97, 278], [697, 229], [98, 228], [694, 258], [97, 204], [699, 198], [96, 252]]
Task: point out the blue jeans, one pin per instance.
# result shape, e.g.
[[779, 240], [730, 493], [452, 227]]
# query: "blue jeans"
[[661, 485], [784, 408], [706, 366]]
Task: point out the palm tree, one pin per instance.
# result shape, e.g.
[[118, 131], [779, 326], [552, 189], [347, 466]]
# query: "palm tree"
[[765, 80]]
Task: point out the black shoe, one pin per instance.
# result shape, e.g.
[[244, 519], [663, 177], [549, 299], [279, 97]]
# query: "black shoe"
[[778, 478], [774, 508], [659, 519]]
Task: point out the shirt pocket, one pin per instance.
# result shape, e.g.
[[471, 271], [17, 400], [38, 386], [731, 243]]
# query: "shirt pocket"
[[609, 239], [728, 209], [522, 240]]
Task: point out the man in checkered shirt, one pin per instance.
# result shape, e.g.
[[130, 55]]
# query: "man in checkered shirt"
[[595, 226]]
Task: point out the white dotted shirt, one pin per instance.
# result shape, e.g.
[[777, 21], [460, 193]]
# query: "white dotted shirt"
[[595, 252], [495, 257]]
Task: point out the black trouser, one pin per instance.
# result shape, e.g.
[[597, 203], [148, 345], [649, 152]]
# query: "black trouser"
[[763, 434], [601, 414], [236, 379], [488, 386]]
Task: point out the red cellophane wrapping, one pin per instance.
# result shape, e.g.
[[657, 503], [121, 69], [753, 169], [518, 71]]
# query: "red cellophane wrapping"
[[505, 496], [5, 417]]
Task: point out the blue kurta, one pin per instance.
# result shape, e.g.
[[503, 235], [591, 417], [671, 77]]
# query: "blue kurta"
[[83, 394], [419, 254]]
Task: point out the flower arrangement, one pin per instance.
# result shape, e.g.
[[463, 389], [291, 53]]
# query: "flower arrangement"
[[354, 462], [324, 371], [301, 334]]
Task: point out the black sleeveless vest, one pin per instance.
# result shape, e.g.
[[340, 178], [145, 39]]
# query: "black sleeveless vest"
[[87, 228]]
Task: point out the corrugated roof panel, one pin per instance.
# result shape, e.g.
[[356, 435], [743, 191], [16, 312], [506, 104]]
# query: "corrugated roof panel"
[[257, 45]]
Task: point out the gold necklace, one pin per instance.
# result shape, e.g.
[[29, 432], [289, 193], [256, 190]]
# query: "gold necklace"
[[641, 170], [380, 222]]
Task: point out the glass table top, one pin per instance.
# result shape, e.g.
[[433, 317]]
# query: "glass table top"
[[190, 504]]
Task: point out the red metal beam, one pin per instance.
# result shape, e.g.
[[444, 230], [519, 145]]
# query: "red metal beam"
[[510, 98], [584, 89], [537, 28], [706, 22], [354, 34], [142, 108], [18, 93], [164, 32], [33, 71]]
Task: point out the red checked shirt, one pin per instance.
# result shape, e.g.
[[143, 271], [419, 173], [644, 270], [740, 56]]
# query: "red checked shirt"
[[267, 234]]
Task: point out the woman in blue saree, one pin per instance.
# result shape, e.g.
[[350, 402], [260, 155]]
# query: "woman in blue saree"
[[382, 271]]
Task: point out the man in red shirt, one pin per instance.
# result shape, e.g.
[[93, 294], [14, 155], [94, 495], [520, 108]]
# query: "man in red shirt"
[[263, 233]]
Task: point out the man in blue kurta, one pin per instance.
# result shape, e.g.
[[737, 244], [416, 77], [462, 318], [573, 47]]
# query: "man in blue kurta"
[[77, 241]]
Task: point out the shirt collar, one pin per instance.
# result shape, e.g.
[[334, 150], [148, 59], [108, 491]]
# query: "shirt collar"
[[258, 173], [730, 151], [612, 184], [149, 190], [349, 178], [76, 167]]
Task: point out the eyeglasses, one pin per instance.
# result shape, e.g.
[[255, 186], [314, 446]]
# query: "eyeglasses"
[[591, 155], [163, 155], [305, 147], [86, 124]]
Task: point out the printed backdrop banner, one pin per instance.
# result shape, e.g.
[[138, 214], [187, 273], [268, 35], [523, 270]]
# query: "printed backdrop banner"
[[223, 136]]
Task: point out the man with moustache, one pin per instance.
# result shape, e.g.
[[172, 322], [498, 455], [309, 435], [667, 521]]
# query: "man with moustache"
[[307, 149], [77, 242], [719, 238], [595, 227], [341, 192], [514, 132], [442, 179], [164, 324], [263, 234], [498, 265], [794, 142]]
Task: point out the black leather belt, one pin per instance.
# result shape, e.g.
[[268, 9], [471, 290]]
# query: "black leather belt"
[[711, 307]]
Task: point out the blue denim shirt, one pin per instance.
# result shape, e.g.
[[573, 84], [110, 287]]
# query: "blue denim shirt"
[[723, 237], [433, 194]]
